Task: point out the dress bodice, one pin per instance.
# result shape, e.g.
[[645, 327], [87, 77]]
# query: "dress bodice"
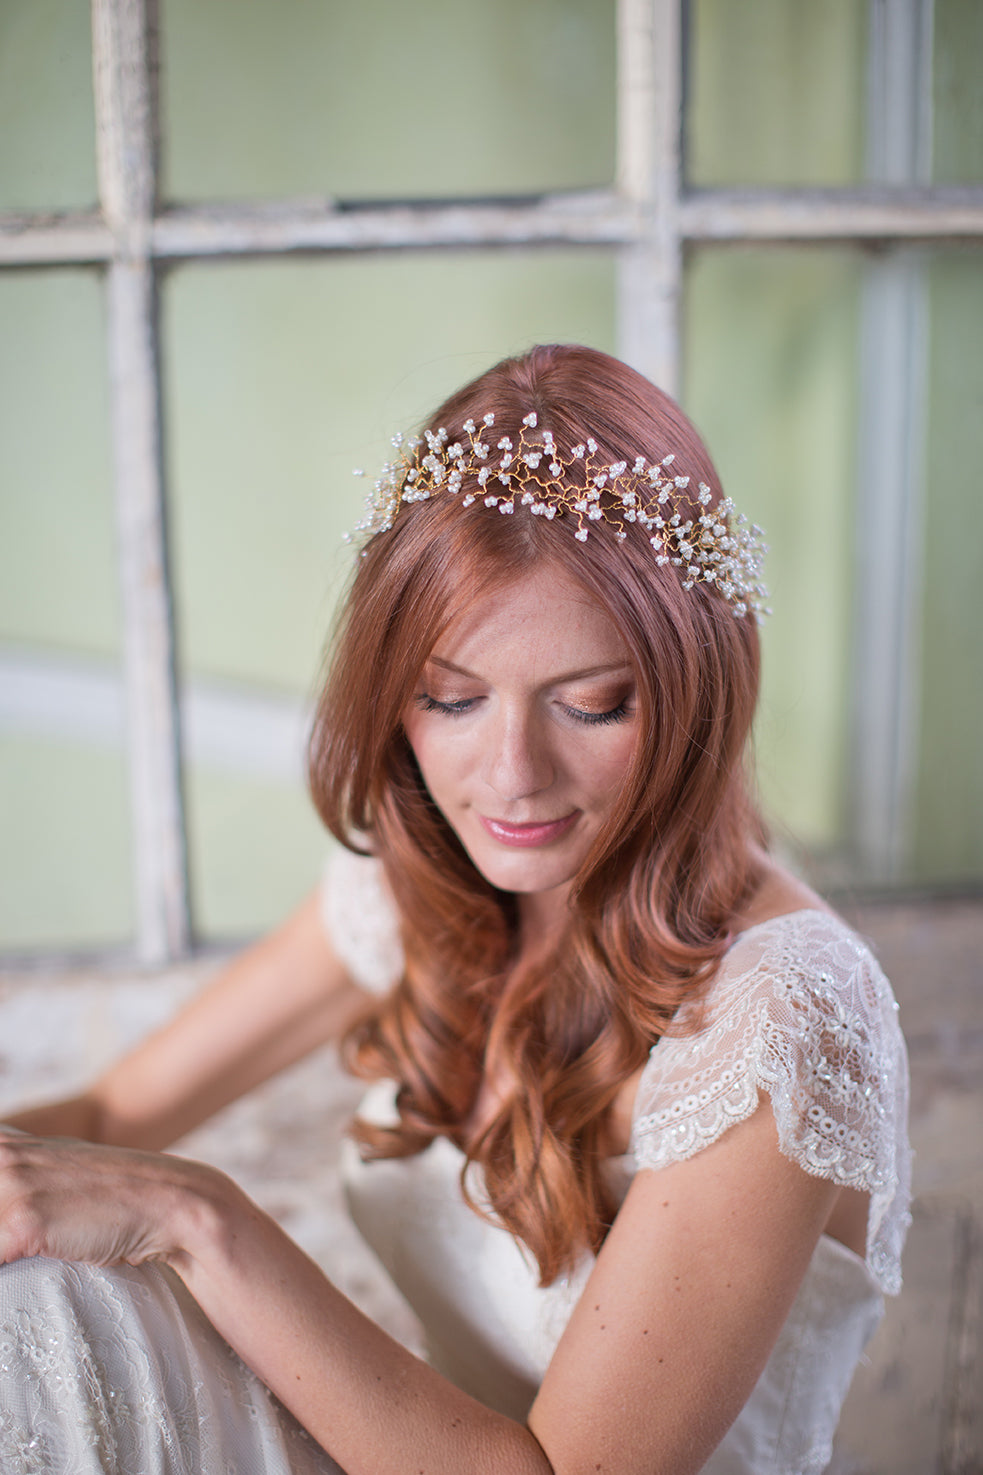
[[798, 1010]]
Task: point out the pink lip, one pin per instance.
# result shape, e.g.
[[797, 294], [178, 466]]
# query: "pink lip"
[[538, 833]]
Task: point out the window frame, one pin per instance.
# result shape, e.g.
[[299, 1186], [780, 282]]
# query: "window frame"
[[652, 217]]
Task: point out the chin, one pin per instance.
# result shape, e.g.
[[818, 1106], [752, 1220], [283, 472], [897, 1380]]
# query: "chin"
[[524, 874]]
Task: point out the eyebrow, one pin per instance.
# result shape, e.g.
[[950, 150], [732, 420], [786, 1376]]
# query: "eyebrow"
[[582, 675]]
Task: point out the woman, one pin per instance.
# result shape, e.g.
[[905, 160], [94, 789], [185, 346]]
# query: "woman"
[[643, 1171]]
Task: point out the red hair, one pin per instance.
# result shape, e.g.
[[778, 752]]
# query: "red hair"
[[654, 905]]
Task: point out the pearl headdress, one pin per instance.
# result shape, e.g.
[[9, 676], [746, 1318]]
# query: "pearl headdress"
[[709, 544]]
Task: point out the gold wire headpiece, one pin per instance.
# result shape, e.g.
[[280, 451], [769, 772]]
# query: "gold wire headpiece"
[[708, 544]]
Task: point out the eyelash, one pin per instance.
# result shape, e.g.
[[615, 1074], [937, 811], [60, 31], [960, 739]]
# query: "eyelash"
[[427, 703], [596, 719]]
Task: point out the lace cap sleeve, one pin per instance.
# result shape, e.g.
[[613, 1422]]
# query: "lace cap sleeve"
[[360, 920], [801, 1011]]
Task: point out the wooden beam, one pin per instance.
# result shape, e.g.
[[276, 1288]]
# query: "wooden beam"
[[650, 177], [54, 240], [863, 215], [892, 428], [124, 69], [597, 217]]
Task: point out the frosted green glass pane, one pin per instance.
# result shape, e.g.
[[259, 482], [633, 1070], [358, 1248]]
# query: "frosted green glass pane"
[[257, 848], [386, 100], [775, 92], [283, 376], [771, 350], [957, 66], [948, 833], [57, 562], [64, 846], [47, 161]]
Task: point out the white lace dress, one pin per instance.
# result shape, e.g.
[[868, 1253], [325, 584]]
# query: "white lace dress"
[[799, 1010], [117, 1372]]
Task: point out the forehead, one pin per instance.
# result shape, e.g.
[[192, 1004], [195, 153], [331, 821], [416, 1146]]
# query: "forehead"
[[540, 624]]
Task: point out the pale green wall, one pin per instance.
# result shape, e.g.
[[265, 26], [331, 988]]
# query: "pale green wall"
[[776, 92], [47, 124], [957, 61], [949, 797], [381, 99], [65, 857], [279, 376], [64, 842], [771, 380], [255, 846], [282, 377], [57, 539], [776, 96]]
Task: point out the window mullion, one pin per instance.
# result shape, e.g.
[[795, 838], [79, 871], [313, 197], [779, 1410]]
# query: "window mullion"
[[890, 495], [854, 215], [650, 61], [124, 70]]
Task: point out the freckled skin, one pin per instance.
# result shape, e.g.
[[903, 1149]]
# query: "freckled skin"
[[525, 715]]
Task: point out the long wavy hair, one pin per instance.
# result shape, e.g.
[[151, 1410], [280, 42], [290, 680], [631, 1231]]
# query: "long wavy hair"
[[653, 907]]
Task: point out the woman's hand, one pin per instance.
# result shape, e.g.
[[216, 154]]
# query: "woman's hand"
[[72, 1200]]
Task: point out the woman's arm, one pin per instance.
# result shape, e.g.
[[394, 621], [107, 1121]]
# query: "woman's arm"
[[665, 1346], [683, 1307], [275, 1003], [690, 1291]]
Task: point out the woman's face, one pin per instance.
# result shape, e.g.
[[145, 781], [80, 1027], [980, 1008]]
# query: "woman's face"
[[523, 724]]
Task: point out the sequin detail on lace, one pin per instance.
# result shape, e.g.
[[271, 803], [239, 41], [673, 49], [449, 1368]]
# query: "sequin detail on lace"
[[800, 1010], [117, 1372]]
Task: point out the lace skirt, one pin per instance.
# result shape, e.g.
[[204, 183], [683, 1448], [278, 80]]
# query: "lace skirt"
[[119, 1372]]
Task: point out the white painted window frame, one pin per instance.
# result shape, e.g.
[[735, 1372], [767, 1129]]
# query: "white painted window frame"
[[650, 216]]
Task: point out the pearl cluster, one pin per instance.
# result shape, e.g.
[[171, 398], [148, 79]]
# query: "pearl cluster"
[[708, 544]]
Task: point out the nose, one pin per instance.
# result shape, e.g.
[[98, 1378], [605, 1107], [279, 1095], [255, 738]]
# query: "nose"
[[517, 761]]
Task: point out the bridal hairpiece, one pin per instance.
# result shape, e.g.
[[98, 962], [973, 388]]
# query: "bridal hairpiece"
[[709, 544]]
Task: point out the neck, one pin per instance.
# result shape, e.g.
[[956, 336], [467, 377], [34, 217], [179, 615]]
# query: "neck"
[[543, 916]]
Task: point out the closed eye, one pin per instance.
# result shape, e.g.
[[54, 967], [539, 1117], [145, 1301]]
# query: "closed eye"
[[594, 719], [427, 703]]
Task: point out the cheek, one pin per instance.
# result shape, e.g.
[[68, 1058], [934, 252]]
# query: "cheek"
[[613, 768], [432, 752]]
